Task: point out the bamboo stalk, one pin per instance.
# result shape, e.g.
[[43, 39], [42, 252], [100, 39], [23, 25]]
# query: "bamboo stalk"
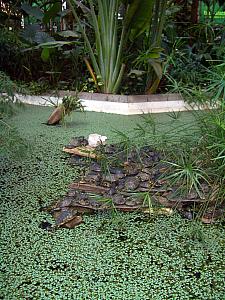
[[92, 73]]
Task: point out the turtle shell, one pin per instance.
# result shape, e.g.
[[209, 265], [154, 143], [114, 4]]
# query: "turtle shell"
[[110, 178], [95, 167], [76, 160], [65, 202], [93, 177], [144, 176], [78, 142], [118, 199], [64, 215], [75, 221], [132, 183], [117, 171], [132, 169]]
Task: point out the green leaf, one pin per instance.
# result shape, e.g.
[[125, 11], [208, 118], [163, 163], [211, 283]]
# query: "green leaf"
[[33, 11], [29, 33], [45, 54], [43, 37], [157, 66], [69, 33], [52, 12], [54, 44], [138, 16]]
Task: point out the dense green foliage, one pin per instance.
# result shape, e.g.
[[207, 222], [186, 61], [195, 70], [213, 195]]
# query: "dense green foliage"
[[136, 53], [125, 257]]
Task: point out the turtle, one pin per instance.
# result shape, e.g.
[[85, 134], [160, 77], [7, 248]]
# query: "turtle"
[[66, 217], [117, 171], [144, 176], [77, 142], [93, 177], [95, 167], [118, 199], [110, 178], [148, 162], [127, 174], [132, 168], [76, 160], [110, 149], [132, 183], [112, 189], [67, 211], [120, 184]]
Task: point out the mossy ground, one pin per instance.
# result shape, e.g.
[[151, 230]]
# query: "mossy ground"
[[117, 257]]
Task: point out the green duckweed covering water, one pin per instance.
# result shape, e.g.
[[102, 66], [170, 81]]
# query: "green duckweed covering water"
[[126, 256]]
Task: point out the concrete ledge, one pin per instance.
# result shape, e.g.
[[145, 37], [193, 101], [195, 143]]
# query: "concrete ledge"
[[117, 104]]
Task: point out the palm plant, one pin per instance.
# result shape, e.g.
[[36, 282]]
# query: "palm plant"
[[108, 64], [111, 36]]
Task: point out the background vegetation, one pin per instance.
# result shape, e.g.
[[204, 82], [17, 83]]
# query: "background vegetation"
[[153, 50]]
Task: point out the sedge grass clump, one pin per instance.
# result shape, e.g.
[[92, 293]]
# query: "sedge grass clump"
[[186, 173]]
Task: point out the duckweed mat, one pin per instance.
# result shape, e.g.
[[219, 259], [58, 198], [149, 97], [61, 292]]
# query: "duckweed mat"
[[110, 256]]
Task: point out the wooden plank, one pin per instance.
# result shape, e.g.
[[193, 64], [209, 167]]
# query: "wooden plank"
[[81, 151], [89, 188]]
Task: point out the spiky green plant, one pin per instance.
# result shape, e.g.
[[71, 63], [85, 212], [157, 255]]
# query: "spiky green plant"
[[108, 63], [216, 79], [212, 147], [186, 173]]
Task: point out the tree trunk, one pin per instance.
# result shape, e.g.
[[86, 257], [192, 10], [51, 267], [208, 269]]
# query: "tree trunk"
[[194, 11]]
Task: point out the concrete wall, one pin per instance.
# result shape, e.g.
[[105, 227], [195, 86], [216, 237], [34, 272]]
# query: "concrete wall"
[[117, 104]]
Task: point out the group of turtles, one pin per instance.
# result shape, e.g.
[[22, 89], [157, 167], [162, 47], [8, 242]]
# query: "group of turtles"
[[114, 178]]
